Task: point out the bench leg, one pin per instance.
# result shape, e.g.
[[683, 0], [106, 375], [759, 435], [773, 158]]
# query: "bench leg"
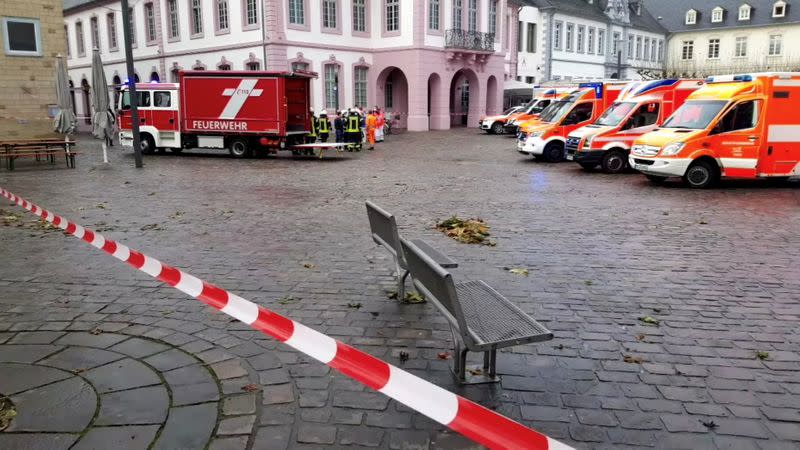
[[401, 284], [490, 362], [476, 375]]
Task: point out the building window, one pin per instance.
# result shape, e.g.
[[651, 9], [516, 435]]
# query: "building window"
[[744, 12], [66, 40], [299, 66], [297, 13], [360, 85], [617, 41], [531, 38], [652, 49], [558, 29], [329, 14], [222, 15], [149, 22], [472, 15], [741, 47], [492, 16], [173, 23], [691, 17], [661, 50], [224, 67], [132, 26], [392, 15], [775, 45], [433, 15], [78, 37], [638, 47], [570, 36], [457, 10], [197, 17], [646, 49], [22, 37], [111, 24], [716, 15], [779, 9], [601, 42], [687, 50], [530, 80], [630, 47], [252, 66], [388, 95], [590, 43], [94, 33], [360, 16], [581, 36], [251, 12], [174, 75], [713, 48], [331, 86]]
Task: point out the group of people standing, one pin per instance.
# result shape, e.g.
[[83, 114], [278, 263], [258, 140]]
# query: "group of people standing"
[[351, 126]]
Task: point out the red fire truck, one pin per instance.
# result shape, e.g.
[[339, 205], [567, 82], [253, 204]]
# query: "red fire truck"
[[239, 111]]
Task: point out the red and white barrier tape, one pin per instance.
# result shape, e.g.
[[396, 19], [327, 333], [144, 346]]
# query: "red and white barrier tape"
[[482, 425]]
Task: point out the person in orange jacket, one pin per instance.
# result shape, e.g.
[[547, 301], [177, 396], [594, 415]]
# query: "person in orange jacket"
[[372, 124]]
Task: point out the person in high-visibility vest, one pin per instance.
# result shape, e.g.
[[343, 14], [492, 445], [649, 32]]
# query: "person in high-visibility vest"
[[353, 130], [323, 126], [311, 137], [372, 123]]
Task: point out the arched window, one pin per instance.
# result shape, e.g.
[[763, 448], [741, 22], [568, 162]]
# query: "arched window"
[[224, 67], [154, 78]]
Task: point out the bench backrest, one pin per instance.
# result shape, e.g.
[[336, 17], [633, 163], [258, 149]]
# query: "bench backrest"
[[435, 283], [384, 231]]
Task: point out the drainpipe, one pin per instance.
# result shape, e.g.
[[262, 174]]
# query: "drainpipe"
[[549, 56], [262, 23]]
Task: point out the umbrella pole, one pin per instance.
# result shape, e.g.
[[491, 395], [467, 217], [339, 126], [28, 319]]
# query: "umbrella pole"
[[105, 152], [126, 32]]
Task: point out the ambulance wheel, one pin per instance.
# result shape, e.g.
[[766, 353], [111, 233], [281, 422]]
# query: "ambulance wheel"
[[701, 174], [588, 166], [497, 128], [614, 161], [554, 152], [655, 179], [239, 148], [147, 144]]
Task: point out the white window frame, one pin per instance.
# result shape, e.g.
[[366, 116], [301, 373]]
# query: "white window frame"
[[570, 37], [196, 18], [691, 17], [590, 40], [558, 35], [775, 47], [713, 44], [360, 15], [297, 13], [434, 15], [744, 12], [458, 14], [37, 30], [94, 32], [331, 82], [150, 31], [330, 14], [173, 20], [717, 14], [472, 15], [687, 50], [222, 16], [779, 5], [360, 85], [601, 41], [80, 42], [581, 35], [66, 41], [250, 13], [740, 47], [391, 16], [111, 29], [493, 17]]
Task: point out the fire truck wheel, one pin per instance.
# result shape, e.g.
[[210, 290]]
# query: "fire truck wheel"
[[554, 152], [701, 174], [497, 128], [147, 144], [614, 161], [239, 148]]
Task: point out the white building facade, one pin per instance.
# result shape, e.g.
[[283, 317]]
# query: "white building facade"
[[731, 36], [437, 63]]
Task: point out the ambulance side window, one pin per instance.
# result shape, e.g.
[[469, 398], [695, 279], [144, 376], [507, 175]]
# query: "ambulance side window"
[[647, 114], [741, 117], [161, 99], [581, 113], [540, 106]]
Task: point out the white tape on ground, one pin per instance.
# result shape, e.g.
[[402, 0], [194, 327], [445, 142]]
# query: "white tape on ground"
[[418, 394], [242, 309], [313, 343]]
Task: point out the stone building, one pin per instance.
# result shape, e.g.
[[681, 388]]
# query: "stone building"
[[32, 36]]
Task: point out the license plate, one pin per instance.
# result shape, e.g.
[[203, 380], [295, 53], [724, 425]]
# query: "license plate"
[[640, 167], [570, 157]]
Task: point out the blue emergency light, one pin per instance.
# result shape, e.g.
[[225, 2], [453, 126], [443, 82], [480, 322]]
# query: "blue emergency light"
[[654, 84], [598, 88]]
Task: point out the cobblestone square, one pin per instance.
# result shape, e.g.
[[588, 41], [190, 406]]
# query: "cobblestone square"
[[95, 354]]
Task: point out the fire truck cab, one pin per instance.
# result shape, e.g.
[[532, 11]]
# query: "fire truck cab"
[[736, 126], [639, 109], [241, 111], [578, 108]]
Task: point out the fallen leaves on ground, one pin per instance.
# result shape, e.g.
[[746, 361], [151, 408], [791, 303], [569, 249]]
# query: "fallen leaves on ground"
[[152, 226], [649, 320], [633, 359], [404, 356], [762, 355], [101, 205], [413, 298], [96, 331], [251, 388], [176, 215], [470, 231], [355, 305], [640, 337], [391, 294], [588, 282], [79, 370], [287, 300], [475, 371], [709, 424], [309, 265], [518, 271], [7, 412]]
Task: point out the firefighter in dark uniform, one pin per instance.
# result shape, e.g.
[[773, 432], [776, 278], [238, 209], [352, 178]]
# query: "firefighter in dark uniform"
[[353, 131], [311, 137], [338, 126], [323, 126]]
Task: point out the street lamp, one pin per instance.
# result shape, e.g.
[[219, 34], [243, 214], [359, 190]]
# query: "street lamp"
[[126, 33], [618, 44]]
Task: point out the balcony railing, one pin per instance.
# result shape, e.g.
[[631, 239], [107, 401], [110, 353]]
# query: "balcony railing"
[[469, 40]]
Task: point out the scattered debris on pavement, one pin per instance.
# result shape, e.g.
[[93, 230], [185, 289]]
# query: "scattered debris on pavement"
[[470, 231]]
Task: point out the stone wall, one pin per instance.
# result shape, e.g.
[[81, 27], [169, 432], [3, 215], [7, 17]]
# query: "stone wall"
[[27, 84]]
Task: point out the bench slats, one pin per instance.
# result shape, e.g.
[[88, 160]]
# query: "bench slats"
[[441, 259]]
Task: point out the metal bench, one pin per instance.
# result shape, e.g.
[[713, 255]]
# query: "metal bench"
[[384, 232], [481, 319]]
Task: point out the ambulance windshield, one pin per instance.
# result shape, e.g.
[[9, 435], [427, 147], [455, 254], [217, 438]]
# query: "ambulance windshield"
[[695, 114], [614, 115], [556, 111]]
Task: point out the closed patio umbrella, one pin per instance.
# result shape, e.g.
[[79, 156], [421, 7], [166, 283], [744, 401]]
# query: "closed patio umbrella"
[[65, 121], [103, 118]]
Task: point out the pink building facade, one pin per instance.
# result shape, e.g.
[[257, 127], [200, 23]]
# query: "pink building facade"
[[436, 63]]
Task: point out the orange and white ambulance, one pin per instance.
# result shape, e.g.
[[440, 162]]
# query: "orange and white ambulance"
[[541, 100], [639, 109], [736, 126], [495, 124], [578, 108]]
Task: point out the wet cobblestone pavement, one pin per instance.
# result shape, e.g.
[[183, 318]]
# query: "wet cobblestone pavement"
[[96, 355]]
